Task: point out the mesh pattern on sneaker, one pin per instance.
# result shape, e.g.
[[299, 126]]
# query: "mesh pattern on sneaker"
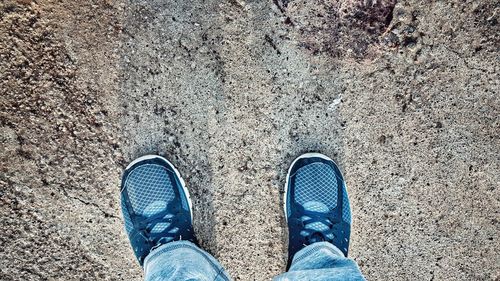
[[316, 182], [346, 209], [126, 217], [149, 189]]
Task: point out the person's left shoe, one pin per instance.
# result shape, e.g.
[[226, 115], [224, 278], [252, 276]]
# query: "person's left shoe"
[[155, 204]]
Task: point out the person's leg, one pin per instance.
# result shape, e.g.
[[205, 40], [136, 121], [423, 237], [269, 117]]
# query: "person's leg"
[[182, 260], [319, 221], [321, 261], [158, 220]]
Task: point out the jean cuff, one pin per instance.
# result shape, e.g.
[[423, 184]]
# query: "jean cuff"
[[316, 247], [170, 246]]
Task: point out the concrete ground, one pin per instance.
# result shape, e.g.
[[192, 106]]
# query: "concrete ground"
[[403, 95]]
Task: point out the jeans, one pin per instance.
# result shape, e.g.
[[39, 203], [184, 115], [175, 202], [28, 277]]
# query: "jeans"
[[183, 260]]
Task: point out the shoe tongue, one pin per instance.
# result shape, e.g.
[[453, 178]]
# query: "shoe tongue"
[[318, 207], [153, 209], [315, 206]]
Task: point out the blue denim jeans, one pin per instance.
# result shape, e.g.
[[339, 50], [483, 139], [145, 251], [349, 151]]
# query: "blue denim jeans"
[[182, 260]]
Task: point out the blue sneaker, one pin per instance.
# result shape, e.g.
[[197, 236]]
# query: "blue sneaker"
[[155, 204], [316, 204]]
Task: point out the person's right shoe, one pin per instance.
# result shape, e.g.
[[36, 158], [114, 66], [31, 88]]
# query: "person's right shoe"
[[316, 204]]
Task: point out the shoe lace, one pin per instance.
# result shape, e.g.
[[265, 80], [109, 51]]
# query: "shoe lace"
[[313, 234], [155, 239]]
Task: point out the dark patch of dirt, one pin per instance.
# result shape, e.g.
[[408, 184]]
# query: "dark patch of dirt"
[[348, 28]]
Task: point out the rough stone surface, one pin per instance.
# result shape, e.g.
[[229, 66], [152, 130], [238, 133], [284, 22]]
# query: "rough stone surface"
[[404, 96]]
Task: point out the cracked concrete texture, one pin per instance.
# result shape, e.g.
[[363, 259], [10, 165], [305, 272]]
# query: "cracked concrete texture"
[[406, 102]]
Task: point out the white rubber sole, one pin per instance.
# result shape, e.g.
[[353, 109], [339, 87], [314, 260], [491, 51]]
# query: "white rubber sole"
[[305, 155], [183, 183]]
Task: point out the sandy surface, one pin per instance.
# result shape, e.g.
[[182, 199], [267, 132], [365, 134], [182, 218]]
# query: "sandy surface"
[[404, 96]]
